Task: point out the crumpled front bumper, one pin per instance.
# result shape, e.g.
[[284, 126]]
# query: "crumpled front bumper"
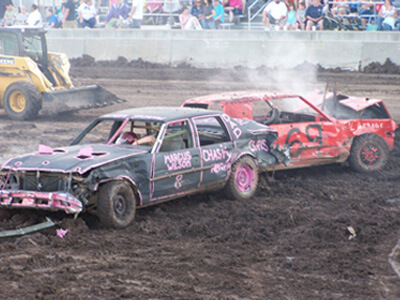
[[54, 201]]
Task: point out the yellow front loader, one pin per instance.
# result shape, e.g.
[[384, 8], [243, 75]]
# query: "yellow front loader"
[[33, 80]]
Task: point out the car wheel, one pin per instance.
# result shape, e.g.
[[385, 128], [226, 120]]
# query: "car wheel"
[[368, 153], [22, 101], [116, 204], [242, 183]]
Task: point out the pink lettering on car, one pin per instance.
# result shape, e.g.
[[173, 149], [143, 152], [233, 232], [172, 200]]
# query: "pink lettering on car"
[[178, 161]]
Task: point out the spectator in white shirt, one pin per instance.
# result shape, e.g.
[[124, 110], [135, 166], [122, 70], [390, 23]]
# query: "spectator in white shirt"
[[275, 13], [87, 14], [136, 14], [34, 18]]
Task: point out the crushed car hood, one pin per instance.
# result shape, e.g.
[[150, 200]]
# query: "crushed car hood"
[[78, 158]]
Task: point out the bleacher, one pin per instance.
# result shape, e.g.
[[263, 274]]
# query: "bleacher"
[[252, 17], [169, 20], [353, 20]]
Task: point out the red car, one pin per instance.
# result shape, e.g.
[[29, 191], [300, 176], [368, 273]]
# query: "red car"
[[321, 130]]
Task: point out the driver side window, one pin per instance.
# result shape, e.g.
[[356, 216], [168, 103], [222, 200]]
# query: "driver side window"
[[177, 137]]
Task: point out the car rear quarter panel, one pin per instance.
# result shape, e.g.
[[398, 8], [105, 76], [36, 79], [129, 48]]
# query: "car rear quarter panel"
[[383, 127]]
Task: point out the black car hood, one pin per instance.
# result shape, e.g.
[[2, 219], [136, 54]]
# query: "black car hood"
[[78, 158]]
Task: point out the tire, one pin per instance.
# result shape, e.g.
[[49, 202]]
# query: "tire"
[[368, 153], [22, 101], [243, 181], [116, 204]]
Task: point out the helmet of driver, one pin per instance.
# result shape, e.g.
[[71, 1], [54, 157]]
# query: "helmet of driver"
[[127, 138]]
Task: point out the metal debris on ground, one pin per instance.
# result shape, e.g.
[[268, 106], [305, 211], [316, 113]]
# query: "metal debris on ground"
[[22, 231], [352, 232]]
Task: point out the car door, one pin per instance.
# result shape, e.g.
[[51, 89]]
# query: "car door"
[[307, 141], [309, 134], [216, 148], [176, 162]]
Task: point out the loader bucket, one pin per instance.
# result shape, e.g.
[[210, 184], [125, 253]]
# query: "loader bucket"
[[73, 99]]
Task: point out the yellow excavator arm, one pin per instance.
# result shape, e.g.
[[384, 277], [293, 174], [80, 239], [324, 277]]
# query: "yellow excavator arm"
[[59, 67]]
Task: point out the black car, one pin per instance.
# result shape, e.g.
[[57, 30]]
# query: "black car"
[[139, 157]]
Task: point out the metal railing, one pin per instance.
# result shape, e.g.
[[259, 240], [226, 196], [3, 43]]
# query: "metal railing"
[[252, 17]]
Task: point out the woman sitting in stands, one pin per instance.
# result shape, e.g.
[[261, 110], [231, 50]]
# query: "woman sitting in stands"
[[10, 14], [118, 15], [188, 21], [387, 16], [234, 7]]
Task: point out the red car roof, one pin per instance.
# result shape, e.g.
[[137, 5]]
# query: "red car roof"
[[240, 97]]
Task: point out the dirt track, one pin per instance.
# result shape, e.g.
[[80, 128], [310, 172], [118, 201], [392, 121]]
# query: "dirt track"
[[290, 242]]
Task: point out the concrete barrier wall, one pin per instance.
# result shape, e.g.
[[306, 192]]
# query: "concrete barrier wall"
[[226, 49]]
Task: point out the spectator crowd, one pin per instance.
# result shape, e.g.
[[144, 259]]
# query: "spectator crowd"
[[206, 14], [341, 14]]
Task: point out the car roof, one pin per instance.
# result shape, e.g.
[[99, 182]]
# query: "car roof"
[[161, 113], [240, 96]]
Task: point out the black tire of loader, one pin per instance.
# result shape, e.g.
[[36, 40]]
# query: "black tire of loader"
[[33, 101], [359, 163], [116, 204]]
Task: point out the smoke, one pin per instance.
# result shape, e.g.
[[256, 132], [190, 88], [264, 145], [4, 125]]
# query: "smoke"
[[301, 80], [288, 80], [287, 66], [285, 73]]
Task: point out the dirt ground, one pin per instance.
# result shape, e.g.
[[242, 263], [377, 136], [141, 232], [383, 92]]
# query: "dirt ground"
[[289, 242]]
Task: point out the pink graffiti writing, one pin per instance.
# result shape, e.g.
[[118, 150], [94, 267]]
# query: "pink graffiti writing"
[[216, 154], [178, 161], [235, 129], [178, 182], [220, 167], [260, 145]]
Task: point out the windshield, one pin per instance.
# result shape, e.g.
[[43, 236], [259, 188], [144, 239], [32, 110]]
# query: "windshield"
[[124, 132], [293, 105], [33, 47]]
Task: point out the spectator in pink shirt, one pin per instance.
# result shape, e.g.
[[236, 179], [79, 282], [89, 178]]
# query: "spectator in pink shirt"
[[234, 7], [154, 7]]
